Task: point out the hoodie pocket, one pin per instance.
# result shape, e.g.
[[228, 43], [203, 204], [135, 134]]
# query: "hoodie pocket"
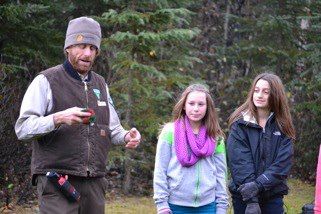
[[175, 183]]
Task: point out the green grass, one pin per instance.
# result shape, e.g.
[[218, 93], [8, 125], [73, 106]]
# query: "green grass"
[[130, 205], [300, 194]]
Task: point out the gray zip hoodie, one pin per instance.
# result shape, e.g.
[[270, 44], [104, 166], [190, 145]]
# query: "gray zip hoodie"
[[195, 186]]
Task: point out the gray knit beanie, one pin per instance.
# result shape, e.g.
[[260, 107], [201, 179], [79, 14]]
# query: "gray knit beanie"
[[83, 30]]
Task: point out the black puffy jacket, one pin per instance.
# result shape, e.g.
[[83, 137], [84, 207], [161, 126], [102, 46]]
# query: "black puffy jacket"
[[263, 156]]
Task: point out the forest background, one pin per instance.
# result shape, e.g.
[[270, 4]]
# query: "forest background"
[[152, 50]]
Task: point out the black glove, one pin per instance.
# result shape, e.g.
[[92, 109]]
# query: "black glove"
[[253, 208], [248, 190]]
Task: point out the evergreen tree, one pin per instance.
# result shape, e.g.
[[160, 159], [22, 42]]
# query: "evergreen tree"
[[306, 90], [150, 42], [241, 39], [28, 43]]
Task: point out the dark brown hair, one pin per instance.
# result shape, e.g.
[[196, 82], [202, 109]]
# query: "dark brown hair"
[[278, 103], [210, 119]]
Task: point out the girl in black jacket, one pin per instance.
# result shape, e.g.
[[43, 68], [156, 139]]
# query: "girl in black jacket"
[[260, 149]]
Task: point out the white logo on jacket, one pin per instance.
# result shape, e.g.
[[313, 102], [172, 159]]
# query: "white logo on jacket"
[[277, 133]]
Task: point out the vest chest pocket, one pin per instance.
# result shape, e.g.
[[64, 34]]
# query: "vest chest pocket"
[[102, 134], [99, 145]]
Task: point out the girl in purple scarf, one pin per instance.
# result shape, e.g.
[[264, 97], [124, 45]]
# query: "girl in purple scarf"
[[190, 165]]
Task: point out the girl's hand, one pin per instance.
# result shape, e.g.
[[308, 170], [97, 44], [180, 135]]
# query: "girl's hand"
[[165, 211]]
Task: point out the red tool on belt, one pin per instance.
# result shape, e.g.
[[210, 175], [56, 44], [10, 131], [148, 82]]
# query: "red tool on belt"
[[61, 183]]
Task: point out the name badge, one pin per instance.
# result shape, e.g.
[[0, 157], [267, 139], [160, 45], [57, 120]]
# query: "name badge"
[[101, 103], [102, 133]]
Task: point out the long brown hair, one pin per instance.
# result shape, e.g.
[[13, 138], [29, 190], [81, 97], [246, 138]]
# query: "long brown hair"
[[210, 119], [278, 103]]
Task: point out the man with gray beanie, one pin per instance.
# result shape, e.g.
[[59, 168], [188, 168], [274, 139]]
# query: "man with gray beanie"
[[68, 113]]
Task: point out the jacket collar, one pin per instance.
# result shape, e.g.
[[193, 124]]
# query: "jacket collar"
[[249, 119], [73, 73]]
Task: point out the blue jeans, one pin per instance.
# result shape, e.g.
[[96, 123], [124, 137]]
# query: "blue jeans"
[[273, 206], [206, 209]]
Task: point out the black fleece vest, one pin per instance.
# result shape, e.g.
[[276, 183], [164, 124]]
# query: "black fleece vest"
[[78, 150]]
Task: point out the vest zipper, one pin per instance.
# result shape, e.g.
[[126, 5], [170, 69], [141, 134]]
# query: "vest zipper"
[[88, 144]]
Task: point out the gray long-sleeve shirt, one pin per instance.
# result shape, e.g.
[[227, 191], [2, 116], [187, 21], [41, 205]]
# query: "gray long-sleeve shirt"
[[38, 100], [198, 185]]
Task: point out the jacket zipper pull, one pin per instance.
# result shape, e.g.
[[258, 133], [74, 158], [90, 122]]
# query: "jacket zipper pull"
[[86, 87], [86, 93]]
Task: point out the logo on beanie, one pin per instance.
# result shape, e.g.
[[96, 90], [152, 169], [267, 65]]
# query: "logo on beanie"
[[79, 38]]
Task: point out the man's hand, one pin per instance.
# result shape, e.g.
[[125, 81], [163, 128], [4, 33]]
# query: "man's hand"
[[248, 190], [132, 138], [70, 116], [253, 208]]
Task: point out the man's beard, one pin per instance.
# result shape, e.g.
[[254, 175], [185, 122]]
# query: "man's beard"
[[82, 69]]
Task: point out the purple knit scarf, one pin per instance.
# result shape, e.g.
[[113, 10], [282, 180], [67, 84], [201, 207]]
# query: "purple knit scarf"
[[189, 147]]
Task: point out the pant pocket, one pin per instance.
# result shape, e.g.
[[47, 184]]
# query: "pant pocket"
[[41, 181], [103, 183]]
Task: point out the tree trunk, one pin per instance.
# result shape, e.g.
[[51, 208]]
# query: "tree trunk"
[[226, 30], [280, 61], [127, 163], [226, 22], [247, 62]]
